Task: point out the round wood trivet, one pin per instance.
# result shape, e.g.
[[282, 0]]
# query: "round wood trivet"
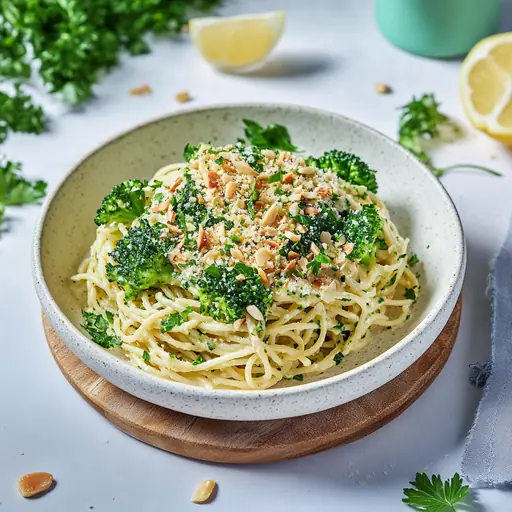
[[258, 441]]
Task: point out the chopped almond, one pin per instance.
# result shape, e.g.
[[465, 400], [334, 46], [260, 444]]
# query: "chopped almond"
[[213, 179], [271, 243], [348, 248], [182, 97], [201, 238], [263, 276], [35, 484], [161, 207], [261, 256], [240, 277], [324, 192], [244, 168], [176, 184], [171, 216], [311, 210], [237, 254], [293, 255], [290, 266], [140, 91], [314, 249], [307, 170], [383, 89], [230, 189], [270, 215], [238, 323], [294, 237], [288, 178], [255, 313]]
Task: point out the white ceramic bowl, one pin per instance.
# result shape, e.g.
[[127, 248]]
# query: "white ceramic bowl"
[[418, 203]]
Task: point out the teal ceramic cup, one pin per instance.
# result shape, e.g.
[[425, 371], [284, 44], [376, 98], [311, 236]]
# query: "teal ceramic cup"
[[437, 28]]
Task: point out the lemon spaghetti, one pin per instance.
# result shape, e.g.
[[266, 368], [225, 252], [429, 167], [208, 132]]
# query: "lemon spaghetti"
[[267, 268]]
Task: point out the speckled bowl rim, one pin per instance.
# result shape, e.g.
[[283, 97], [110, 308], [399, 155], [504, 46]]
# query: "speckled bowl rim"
[[124, 367]]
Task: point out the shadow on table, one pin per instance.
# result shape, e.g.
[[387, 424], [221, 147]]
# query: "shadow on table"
[[292, 64]]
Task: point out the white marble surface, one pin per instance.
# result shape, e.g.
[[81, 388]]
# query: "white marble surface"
[[330, 57]]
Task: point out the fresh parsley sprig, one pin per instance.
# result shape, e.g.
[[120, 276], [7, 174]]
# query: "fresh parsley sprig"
[[432, 495], [16, 190], [273, 136], [422, 121], [73, 43]]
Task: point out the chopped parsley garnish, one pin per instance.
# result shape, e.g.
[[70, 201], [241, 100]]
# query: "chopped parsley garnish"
[[198, 360], [253, 197], [277, 177], [100, 330], [410, 294], [317, 263], [413, 260], [145, 356], [175, 319], [391, 282], [190, 152], [338, 358]]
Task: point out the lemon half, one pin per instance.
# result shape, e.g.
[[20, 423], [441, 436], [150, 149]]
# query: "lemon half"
[[237, 42], [486, 86]]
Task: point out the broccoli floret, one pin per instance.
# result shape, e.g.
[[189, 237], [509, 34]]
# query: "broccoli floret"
[[99, 329], [225, 298], [141, 259], [123, 204], [328, 219], [348, 167], [361, 228]]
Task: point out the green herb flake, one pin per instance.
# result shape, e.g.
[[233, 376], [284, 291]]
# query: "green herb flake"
[[175, 320], [410, 294], [338, 358], [146, 357], [99, 329]]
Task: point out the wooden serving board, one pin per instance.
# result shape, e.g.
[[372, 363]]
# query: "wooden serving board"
[[258, 441]]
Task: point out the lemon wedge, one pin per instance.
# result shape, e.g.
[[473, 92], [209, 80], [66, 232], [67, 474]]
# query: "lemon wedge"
[[237, 42], [486, 86]]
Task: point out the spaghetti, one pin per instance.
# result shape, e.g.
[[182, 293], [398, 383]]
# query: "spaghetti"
[[318, 258]]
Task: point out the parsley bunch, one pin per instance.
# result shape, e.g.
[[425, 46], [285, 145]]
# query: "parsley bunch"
[[74, 42], [422, 121]]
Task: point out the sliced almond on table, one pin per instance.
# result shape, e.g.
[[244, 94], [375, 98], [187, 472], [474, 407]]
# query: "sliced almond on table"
[[182, 97], [204, 491], [34, 484]]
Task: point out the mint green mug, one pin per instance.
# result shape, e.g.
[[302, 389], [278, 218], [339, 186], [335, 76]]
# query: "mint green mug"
[[437, 28]]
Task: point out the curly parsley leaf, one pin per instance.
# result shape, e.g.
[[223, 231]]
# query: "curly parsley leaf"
[[16, 190], [73, 43], [432, 495], [19, 114], [422, 121], [273, 136], [100, 330]]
